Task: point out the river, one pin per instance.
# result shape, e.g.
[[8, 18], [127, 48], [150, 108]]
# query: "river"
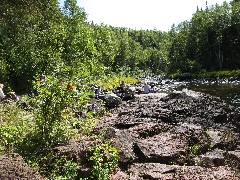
[[228, 91]]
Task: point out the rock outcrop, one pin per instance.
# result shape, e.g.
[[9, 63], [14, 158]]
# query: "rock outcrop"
[[182, 135], [12, 166]]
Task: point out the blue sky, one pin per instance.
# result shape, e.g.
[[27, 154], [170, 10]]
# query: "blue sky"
[[142, 14]]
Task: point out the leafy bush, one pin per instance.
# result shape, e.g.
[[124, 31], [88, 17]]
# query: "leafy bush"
[[64, 169], [111, 81], [175, 75], [194, 149], [55, 106], [104, 158], [15, 124], [61, 168]]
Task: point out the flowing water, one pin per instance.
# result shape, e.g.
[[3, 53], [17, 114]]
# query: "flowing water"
[[228, 91]]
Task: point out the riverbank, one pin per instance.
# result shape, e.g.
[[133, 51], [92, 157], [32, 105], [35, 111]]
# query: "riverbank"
[[181, 135], [228, 76]]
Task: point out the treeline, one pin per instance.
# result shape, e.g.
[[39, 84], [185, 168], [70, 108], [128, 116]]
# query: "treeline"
[[38, 37], [210, 41]]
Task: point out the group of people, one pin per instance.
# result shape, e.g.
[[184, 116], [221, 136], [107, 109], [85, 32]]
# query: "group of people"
[[148, 88], [125, 91], [128, 90]]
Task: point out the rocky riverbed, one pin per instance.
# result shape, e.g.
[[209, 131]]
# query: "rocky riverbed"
[[181, 135]]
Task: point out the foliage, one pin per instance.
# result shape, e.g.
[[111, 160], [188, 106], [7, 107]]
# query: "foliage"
[[209, 41], [54, 166], [58, 167], [15, 124], [175, 75], [86, 125], [219, 74], [37, 37], [104, 158], [111, 81], [54, 109], [30, 41], [69, 170], [37, 42], [55, 105], [194, 149]]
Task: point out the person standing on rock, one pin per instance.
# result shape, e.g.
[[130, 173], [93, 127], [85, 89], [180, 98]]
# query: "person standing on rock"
[[121, 89], [122, 86], [146, 88]]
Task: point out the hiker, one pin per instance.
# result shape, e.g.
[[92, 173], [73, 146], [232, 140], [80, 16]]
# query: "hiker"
[[97, 91], [70, 87], [121, 89], [129, 91], [152, 85], [2, 95], [146, 88], [12, 95], [78, 89], [42, 79]]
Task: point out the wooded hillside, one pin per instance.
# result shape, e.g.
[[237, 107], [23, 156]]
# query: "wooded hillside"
[[37, 37]]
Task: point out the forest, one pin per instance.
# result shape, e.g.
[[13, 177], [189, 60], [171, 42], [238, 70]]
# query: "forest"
[[42, 38]]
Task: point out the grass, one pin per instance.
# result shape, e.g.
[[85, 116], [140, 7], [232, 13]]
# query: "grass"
[[109, 83], [214, 74]]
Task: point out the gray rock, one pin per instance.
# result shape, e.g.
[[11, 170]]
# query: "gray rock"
[[211, 159], [156, 134], [158, 171], [162, 148], [112, 100]]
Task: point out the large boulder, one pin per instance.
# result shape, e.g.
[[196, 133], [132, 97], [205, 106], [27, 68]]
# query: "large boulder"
[[158, 171], [112, 100], [12, 166]]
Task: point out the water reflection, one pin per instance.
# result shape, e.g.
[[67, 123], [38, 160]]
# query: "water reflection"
[[229, 91]]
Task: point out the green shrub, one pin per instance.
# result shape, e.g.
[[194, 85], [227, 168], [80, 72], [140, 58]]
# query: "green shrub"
[[15, 124], [63, 169], [54, 166], [194, 149], [54, 110], [104, 158], [220, 74], [109, 82], [175, 75]]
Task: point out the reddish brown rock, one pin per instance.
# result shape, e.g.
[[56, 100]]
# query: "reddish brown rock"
[[12, 166]]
